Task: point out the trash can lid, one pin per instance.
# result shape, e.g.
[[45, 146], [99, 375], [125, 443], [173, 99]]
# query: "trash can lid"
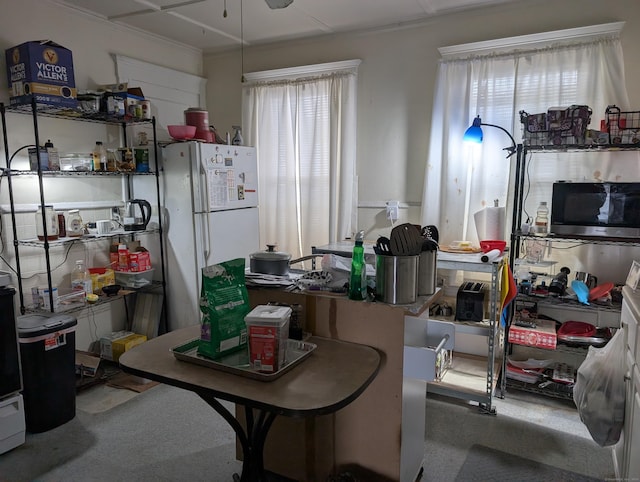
[[7, 291], [36, 324]]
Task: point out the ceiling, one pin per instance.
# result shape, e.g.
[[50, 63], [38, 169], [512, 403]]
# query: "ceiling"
[[202, 24]]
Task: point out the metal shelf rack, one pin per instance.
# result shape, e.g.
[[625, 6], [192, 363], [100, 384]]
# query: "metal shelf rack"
[[36, 111]]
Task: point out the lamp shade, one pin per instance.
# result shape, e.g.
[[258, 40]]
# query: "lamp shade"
[[474, 133]]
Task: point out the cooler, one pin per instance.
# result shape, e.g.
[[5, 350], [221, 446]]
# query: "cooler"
[[47, 349]]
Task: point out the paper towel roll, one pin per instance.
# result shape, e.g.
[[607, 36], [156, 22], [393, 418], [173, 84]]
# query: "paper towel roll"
[[490, 256], [490, 223]]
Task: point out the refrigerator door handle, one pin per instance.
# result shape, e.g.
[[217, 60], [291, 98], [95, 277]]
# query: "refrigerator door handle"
[[206, 240]]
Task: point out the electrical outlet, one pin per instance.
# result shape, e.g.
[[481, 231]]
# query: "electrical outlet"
[[392, 210]]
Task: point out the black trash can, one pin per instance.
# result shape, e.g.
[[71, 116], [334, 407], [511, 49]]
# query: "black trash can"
[[48, 352]]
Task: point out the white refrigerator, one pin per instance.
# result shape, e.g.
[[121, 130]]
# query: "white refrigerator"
[[211, 206]]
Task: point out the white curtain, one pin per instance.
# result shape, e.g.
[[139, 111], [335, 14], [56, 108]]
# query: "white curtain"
[[304, 130], [463, 179]]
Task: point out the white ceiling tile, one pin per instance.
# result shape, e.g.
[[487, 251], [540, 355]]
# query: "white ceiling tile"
[[201, 24]]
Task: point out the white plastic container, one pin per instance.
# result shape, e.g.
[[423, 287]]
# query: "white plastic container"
[[12, 423], [268, 331]]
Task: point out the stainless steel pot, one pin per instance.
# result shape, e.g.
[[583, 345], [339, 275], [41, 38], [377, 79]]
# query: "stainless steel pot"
[[274, 262], [270, 261]]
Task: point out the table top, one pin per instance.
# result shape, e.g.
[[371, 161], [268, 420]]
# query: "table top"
[[334, 375]]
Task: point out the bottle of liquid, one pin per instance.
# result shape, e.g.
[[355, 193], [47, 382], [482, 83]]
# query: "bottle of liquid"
[[541, 224], [237, 137], [99, 157], [358, 279], [80, 278], [51, 223]]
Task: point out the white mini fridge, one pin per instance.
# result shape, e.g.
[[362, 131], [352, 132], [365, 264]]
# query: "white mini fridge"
[[12, 421]]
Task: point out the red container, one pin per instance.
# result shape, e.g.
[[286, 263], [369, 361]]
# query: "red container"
[[491, 244], [200, 120]]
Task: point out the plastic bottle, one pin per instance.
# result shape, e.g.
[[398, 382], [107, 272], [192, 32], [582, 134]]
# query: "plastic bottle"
[[80, 278], [99, 157], [358, 279], [51, 220], [237, 137], [541, 223]]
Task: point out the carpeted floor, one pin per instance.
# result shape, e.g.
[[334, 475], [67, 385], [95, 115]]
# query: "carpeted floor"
[[485, 464], [536, 429], [166, 434]]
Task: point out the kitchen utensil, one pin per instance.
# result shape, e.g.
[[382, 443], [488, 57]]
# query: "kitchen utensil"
[[576, 328], [600, 291], [275, 262], [137, 214], [559, 282], [581, 290], [397, 279], [111, 290], [491, 244], [587, 278], [431, 232], [427, 267], [182, 132], [383, 246], [406, 240]]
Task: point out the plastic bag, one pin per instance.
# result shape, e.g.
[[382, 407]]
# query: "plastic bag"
[[224, 302], [599, 391]]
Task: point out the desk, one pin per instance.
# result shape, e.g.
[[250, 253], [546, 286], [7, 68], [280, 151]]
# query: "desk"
[[333, 376]]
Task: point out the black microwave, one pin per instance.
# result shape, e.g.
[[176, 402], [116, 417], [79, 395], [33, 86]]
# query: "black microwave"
[[596, 209]]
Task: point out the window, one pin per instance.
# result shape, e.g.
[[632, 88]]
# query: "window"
[[302, 122], [496, 80]]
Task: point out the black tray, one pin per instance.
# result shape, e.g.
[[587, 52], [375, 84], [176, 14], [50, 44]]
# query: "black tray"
[[238, 362]]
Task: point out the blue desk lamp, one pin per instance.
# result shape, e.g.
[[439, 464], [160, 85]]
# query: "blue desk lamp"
[[474, 134]]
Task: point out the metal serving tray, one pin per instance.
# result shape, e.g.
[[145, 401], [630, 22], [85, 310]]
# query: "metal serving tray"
[[238, 362]]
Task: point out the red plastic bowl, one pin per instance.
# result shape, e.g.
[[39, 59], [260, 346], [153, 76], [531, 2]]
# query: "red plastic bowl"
[[577, 328], [181, 133], [491, 244]]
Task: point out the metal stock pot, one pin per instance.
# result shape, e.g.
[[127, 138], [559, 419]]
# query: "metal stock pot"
[[274, 262]]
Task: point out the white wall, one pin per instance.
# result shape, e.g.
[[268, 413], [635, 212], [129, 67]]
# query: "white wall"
[[93, 42], [396, 84]]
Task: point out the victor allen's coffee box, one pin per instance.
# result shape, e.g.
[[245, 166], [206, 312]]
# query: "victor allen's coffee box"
[[41, 69]]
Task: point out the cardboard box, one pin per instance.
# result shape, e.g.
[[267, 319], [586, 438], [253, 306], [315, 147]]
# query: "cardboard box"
[[41, 69], [106, 343], [542, 336], [139, 261], [101, 277], [49, 159], [119, 346]]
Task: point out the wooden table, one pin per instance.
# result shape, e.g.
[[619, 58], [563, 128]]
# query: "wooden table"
[[334, 375]]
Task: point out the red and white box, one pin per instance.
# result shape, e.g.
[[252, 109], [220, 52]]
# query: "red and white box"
[[268, 331], [139, 261], [542, 336]]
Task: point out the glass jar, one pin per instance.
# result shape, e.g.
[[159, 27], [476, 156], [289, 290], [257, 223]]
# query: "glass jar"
[[51, 220], [75, 227]]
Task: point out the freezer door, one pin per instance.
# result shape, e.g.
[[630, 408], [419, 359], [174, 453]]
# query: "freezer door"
[[228, 177], [225, 235]]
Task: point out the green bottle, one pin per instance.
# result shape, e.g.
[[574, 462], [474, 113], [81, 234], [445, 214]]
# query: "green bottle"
[[358, 279]]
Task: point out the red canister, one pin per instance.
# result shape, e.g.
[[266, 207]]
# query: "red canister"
[[199, 118]]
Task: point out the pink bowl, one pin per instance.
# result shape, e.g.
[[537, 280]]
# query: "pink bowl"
[[181, 133]]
